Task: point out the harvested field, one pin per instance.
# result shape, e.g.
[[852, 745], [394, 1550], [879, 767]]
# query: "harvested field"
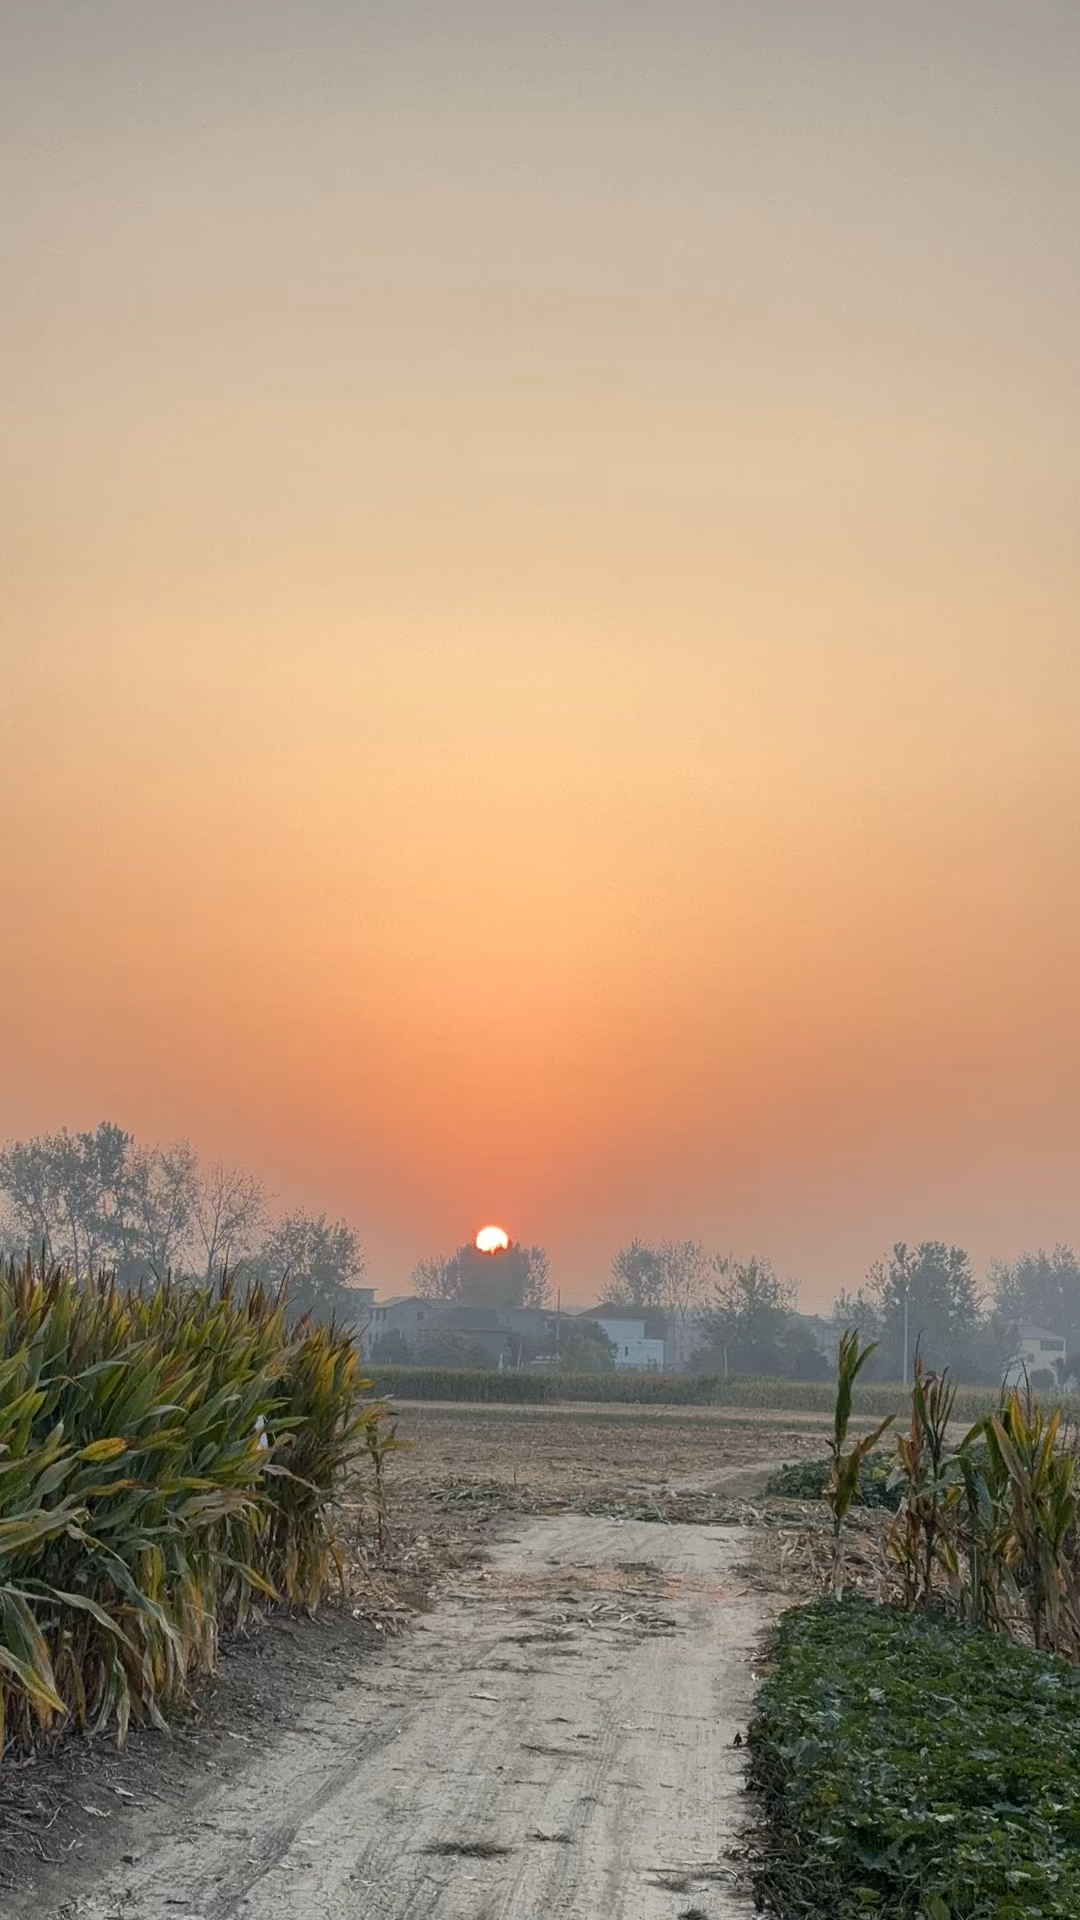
[[570, 1453]]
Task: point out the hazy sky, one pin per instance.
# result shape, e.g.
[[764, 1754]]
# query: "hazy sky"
[[541, 674]]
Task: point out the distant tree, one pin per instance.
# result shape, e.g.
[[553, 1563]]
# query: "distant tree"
[[671, 1278], [686, 1276], [99, 1200], [931, 1290], [801, 1356], [446, 1347], [391, 1350], [318, 1261], [519, 1276], [745, 1325], [229, 1210], [637, 1278], [1041, 1289], [585, 1348], [161, 1194], [438, 1277], [70, 1195]]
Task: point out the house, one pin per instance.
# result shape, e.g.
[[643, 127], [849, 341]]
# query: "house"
[[499, 1331], [406, 1313], [682, 1336], [1037, 1351], [483, 1328], [633, 1348]]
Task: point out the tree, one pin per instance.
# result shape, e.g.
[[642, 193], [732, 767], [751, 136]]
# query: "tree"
[[803, 1358], [161, 1194], [230, 1208], [585, 1348], [745, 1326], [926, 1295], [637, 1278], [1042, 1289], [391, 1350], [518, 1276], [671, 1278], [318, 1261], [70, 1195], [446, 1347], [685, 1273]]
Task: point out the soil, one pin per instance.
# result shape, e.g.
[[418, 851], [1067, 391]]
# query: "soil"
[[557, 1735], [533, 1589]]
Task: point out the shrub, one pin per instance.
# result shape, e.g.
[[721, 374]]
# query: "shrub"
[[912, 1767]]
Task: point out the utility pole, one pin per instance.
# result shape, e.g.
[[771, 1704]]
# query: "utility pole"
[[907, 1306], [558, 1317]]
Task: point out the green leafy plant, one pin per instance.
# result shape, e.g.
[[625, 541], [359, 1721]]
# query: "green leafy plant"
[[911, 1768], [168, 1461], [926, 1474], [808, 1479], [845, 1467]]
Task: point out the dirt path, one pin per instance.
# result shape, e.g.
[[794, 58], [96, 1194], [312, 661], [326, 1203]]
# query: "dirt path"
[[554, 1739]]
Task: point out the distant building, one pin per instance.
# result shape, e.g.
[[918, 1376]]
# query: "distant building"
[[1037, 1351], [684, 1340], [633, 1348], [484, 1329], [406, 1313]]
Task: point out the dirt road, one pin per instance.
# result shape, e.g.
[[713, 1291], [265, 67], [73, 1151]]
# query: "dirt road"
[[554, 1739]]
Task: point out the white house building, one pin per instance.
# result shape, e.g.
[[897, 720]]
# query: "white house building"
[[627, 1334], [1037, 1351]]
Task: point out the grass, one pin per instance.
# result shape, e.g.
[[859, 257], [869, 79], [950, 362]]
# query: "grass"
[[914, 1769]]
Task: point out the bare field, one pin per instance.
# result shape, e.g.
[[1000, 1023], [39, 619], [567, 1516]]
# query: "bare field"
[[574, 1452]]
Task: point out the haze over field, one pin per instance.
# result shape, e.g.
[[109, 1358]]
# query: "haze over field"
[[540, 574]]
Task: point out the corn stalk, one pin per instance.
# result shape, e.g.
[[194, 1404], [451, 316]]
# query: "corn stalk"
[[139, 1513], [845, 1467]]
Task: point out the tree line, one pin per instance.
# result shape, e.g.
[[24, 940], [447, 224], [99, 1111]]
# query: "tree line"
[[741, 1317], [101, 1200]]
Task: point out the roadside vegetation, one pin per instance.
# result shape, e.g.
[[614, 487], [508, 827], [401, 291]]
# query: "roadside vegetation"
[[921, 1759], [168, 1462], [912, 1767]]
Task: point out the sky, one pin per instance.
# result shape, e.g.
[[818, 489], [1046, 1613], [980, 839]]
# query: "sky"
[[539, 676]]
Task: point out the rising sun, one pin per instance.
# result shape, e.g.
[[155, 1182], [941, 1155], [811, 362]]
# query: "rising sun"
[[492, 1240]]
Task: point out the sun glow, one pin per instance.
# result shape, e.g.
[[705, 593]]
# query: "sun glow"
[[492, 1240]]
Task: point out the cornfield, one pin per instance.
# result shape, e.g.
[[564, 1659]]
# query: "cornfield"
[[479, 1385], [986, 1526], [167, 1463]]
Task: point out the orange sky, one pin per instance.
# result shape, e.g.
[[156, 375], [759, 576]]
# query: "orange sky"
[[540, 662]]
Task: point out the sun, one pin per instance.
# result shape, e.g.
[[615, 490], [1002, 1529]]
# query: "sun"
[[492, 1240]]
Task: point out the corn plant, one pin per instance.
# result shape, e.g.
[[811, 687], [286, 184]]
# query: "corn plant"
[[845, 1468], [168, 1461], [1036, 1484], [926, 1472]]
